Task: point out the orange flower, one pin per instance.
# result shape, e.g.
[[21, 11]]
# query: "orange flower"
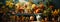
[[55, 12], [37, 10]]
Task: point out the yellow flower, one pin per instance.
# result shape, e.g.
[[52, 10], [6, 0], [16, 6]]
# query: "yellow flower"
[[44, 11], [7, 2], [11, 4], [28, 7], [33, 5]]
